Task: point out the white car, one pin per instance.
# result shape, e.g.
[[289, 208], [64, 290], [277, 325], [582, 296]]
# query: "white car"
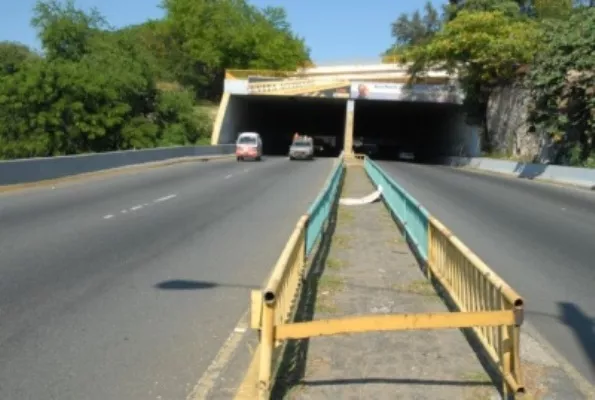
[[249, 146], [302, 149]]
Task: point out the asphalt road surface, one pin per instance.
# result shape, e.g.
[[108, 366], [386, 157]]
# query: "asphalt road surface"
[[126, 287], [540, 238]]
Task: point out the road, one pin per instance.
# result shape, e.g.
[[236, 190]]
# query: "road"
[[540, 238], [126, 287]]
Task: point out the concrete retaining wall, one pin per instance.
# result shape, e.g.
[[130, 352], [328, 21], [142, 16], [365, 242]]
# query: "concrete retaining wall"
[[38, 169], [583, 177]]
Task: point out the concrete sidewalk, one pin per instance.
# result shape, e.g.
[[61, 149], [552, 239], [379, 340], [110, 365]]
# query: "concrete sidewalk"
[[368, 268]]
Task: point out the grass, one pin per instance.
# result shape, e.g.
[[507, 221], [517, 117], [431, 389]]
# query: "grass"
[[421, 287], [344, 214], [342, 241], [331, 283], [324, 306], [334, 264], [476, 376], [327, 286]]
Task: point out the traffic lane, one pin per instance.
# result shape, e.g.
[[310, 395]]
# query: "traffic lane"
[[143, 309], [45, 202], [69, 220], [537, 237]]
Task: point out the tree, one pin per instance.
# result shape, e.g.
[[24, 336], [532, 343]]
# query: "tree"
[[415, 29], [510, 8], [562, 82], [210, 36], [64, 30], [13, 56], [487, 45]]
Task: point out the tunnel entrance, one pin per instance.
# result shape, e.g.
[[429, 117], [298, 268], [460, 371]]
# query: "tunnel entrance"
[[277, 118], [412, 131]]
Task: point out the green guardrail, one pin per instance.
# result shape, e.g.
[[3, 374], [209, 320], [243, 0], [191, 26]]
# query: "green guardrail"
[[413, 216], [320, 210]]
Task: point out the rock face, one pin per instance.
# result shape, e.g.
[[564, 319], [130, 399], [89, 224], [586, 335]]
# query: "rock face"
[[507, 123]]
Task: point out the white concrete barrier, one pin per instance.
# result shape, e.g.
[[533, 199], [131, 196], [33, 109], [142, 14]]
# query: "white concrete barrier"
[[582, 177]]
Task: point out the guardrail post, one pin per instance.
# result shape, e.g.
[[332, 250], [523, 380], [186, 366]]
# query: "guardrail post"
[[505, 357], [267, 343], [431, 252]]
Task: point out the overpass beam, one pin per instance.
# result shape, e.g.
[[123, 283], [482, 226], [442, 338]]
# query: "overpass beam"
[[219, 119], [348, 135]]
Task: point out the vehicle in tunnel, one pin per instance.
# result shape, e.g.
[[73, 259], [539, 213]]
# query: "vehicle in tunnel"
[[277, 118], [249, 145], [302, 149]]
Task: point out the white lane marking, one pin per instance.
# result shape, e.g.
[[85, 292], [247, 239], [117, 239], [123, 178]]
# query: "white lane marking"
[[228, 176], [108, 216], [246, 170], [209, 378], [124, 211], [164, 198], [136, 207]]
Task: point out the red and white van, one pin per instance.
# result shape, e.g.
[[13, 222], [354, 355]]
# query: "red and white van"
[[249, 146]]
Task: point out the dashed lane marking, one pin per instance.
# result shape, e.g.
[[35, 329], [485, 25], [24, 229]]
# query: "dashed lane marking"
[[164, 198]]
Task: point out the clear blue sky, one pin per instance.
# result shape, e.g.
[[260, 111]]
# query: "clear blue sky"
[[336, 30]]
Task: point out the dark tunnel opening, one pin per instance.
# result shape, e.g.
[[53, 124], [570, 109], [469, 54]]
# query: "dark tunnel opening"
[[410, 131], [277, 118]]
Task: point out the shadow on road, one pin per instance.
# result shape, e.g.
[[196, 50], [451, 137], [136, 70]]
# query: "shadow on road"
[[187, 284], [583, 328]]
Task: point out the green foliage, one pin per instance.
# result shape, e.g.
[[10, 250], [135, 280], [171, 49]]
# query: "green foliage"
[[486, 46], [415, 29], [510, 8], [13, 56], [486, 41], [207, 36], [98, 89], [562, 80], [64, 30]]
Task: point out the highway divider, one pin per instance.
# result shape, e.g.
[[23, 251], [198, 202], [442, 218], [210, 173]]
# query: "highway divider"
[[275, 304], [29, 170], [485, 302], [476, 290]]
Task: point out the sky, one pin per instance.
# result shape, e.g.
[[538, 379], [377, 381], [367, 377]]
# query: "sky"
[[337, 31]]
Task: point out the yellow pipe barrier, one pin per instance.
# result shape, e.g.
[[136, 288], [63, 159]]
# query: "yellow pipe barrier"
[[392, 322], [474, 287], [279, 298], [487, 305]]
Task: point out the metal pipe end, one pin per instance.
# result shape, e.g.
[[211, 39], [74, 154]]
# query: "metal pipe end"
[[269, 297]]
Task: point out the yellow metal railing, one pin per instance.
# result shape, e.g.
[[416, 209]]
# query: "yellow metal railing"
[[474, 287], [486, 304], [245, 73]]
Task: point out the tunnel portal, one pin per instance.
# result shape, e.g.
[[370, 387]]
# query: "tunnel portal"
[[277, 118], [410, 130], [383, 129]]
